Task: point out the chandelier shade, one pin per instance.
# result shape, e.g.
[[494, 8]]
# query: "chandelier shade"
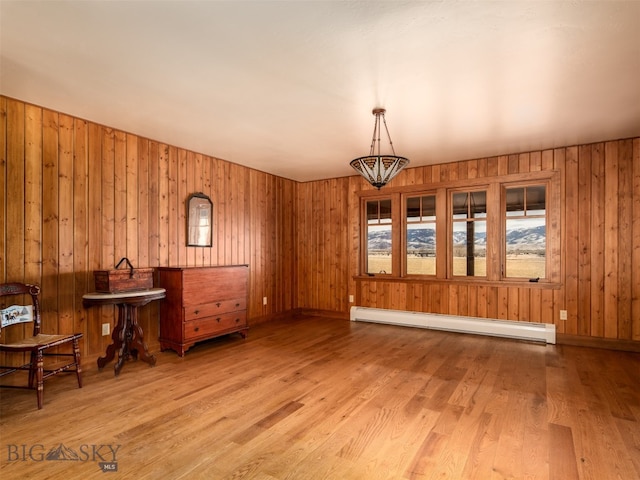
[[378, 169]]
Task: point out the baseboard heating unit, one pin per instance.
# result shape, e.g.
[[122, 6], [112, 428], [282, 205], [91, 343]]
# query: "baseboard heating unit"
[[539, 332]]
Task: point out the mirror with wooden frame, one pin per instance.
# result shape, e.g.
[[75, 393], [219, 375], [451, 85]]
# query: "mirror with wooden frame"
[[199, 220]]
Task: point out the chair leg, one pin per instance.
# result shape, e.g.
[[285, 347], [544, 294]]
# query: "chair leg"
[[76, 356], [33, 365], [40, 377]]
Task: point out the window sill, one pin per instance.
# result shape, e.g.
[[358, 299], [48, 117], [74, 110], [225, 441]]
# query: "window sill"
[[459, 281]]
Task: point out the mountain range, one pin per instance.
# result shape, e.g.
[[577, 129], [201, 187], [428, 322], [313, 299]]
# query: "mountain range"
[[533, 238]]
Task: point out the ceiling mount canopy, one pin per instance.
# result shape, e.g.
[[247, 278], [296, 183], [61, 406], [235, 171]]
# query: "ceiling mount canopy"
[[379, 169]]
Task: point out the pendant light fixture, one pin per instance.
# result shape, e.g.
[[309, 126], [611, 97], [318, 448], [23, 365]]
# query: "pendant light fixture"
[[379, 169]]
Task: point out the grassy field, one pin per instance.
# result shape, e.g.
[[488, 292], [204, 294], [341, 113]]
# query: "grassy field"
[[521, 266]]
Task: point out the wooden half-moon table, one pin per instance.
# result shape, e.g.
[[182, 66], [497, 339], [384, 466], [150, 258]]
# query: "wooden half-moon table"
[[128, 337]]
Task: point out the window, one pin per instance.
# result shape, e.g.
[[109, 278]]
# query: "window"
[[469, 233], [489, 229], [525, 239], [379, 236], [421, 235]]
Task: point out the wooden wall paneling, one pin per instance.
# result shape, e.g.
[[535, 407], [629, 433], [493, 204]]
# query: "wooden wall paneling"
[[13, 198], [453, 300], [513, 303], [524, 304], [164, 204], [514, 163], [207, 162], [558, 304], [291, 239], [482, 301], [546, 307], [263, 221], [611, 233], [153, 202], [503, 165], [174, 208], [535, 161], [559, 301], [224, 253], [241, 192], [493, 166], [571, 240], [524, 162], [66, 287], [344, 252], [92, 339], [502, 311], [625, 241], [635, 235], [353, 240], [228, 212], [133, 215], [492, 302], [107, 247], [3, 184], [535, 305], [182, 193], [472, 169], [483, 166], [547, 160], [318, 270], [81, 269], [120, 198], [422, 296], [596, 241], [50, 226], [301, 243], [143, 198], [414, 296], [138, 226], [275, 252], [468, 300], [190, 185], [234, 213], [15, 172], [33, 195], [335, 286], [256, 268]]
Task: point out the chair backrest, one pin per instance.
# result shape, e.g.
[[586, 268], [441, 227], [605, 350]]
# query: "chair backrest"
[[15, 288]]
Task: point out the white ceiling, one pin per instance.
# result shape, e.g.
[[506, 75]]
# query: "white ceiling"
[[287, 87]]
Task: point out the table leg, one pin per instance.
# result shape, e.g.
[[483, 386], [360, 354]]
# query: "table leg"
[[116, 337], [125, 348], [137, 340]]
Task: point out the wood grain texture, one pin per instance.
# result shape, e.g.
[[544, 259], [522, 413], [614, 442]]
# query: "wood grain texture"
[[597, 192], [336, 399], [78, 196]]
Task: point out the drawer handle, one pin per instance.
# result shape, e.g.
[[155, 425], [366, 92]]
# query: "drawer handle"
[[237, 304], [237, 320], [218, 304], [196, 329], [197, 312], [218, 319]]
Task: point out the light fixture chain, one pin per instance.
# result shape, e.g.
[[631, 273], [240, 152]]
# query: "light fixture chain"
[[388, 135]]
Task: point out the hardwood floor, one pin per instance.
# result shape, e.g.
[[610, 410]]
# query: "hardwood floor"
[[318, 398]]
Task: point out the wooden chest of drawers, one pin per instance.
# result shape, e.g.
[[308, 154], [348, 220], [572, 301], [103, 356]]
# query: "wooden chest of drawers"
[[201, 303]]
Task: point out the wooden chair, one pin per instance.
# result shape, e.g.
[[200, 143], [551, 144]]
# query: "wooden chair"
[[37, 344]]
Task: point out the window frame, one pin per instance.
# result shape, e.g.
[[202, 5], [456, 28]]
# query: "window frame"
[[496, 218], [404, 230]]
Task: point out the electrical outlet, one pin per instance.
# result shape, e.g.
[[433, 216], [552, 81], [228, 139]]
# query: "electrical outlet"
[[264, 300], [106, 329], [563, 314], [350, 298]]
